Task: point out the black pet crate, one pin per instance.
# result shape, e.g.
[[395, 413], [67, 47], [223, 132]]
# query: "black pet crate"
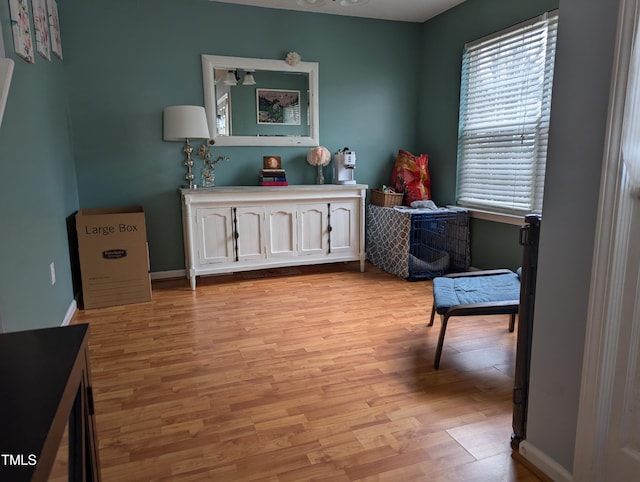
[[418, 244], [439, 244]]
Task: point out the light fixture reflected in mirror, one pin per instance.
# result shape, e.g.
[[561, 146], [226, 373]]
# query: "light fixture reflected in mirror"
[[230, 78], [248, 78]]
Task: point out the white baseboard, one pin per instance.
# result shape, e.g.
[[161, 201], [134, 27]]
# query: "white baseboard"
[[73, 307], [542, 461], [176, 273]]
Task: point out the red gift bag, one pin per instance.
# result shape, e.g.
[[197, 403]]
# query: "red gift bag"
[[411, 176]]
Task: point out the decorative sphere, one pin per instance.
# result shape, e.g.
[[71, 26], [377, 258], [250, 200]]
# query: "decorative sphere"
[[318, 156], [292, 58]]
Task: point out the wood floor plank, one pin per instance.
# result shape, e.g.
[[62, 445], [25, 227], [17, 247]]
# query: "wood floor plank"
[[299, 374]]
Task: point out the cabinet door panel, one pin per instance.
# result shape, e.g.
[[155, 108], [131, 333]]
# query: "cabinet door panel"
[[281, 224], [250, 232], [313, 228], [344, 227], [215, 242]]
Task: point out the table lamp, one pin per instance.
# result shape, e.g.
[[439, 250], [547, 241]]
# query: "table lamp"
[[184, 122]]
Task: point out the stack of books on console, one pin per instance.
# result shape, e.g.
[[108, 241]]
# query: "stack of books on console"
[[273, 177]]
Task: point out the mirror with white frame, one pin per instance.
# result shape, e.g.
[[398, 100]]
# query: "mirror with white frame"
[[261, 102]]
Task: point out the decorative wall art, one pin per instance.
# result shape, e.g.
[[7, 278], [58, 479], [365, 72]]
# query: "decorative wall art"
[[54, 28], [278, 106], [22, 40], [41, 27]]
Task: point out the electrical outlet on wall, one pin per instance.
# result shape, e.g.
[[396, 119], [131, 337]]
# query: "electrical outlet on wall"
[[52, 268]]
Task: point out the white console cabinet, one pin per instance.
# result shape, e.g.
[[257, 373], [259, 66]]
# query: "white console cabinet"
[[243, 228]]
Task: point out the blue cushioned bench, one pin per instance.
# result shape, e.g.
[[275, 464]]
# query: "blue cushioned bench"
[[488, 292]]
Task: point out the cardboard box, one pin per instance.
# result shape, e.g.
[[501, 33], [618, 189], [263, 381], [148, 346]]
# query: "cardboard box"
[[114, 257]]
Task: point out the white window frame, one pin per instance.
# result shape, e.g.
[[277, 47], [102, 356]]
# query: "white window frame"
[[503, 129]]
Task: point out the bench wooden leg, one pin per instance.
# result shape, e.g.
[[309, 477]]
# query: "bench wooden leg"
[[433, 314], [512, 322], [443, 329]]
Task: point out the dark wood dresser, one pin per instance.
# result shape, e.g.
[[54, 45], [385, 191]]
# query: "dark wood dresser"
[[47, 428]]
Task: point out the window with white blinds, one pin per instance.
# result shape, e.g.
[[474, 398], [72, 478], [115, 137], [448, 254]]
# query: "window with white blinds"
[[505, 103]]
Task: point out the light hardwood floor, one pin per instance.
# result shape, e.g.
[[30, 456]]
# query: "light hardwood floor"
[[306, 374]]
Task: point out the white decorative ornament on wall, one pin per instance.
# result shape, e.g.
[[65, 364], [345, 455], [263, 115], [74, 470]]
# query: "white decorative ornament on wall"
[[292, 58]]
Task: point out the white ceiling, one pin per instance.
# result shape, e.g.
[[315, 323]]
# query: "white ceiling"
[[400, 10]]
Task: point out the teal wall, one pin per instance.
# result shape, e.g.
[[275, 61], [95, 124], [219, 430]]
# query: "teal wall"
[[87, 131], [442, 41], [37, 192], [582, 86], [128, 60]]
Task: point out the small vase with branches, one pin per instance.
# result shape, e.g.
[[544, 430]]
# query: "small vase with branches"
[[208, 172]]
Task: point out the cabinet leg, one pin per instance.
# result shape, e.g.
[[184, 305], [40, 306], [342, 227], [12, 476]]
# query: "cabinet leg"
[[192, 282], [362, 265]]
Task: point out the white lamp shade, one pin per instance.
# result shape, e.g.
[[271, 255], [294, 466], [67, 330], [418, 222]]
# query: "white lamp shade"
[[185, 122]]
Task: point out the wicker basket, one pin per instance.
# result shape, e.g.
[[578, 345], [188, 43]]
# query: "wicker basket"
[[386, 199]]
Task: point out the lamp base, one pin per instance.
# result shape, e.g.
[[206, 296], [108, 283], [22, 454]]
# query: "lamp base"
[[188, 163]]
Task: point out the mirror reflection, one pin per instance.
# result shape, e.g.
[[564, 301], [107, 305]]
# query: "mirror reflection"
[[259, 102], [268, 104]]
